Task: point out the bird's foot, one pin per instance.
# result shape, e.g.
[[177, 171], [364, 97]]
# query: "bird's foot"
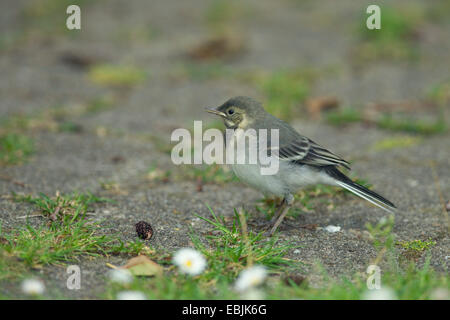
[[268, 233]]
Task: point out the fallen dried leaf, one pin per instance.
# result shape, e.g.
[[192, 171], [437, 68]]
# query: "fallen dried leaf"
[[143, 266], [318, 105], [311, 227], [199, 187], [78, 60], [219, 47], [118, 159]]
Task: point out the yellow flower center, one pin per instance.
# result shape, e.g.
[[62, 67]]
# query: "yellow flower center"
[[189, 263]]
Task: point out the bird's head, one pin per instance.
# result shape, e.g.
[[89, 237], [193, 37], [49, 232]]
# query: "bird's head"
[[239, 112]]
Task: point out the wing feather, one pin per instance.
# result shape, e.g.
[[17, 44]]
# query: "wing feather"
[[306, 151]]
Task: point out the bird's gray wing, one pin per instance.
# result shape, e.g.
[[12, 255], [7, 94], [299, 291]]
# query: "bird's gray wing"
[[302, 150], [294, 147], [319, 156]]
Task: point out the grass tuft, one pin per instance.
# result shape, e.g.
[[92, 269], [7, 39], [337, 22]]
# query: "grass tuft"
[[67, 237], [59, 207], [396, 142], [344, 116], [415, 248], [231, 248], [412, 126], [440, 93], [15, 148], [116, 76], [417, 245], [37, 246]]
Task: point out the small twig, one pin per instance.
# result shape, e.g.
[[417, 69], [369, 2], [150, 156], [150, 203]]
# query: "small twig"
[[30, 216], [54, 215], [245, 236], [379, 257], [41, 215], [111, 266], [199, 186], [10, 179]]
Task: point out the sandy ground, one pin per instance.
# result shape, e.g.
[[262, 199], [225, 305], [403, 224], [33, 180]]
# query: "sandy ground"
[[154, 36]]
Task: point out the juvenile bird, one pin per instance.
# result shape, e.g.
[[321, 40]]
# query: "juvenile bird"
[[302, 162]]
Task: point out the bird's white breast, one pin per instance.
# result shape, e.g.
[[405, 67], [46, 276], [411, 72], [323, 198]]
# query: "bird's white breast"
[[251, 173]]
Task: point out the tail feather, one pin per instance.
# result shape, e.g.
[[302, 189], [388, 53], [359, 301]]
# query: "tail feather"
[[345, 182]]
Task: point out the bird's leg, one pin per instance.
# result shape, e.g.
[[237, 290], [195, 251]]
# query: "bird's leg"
[[278, 218], [279, 211], [267, 224]]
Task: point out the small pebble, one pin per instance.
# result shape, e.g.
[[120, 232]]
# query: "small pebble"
[[332, 229]]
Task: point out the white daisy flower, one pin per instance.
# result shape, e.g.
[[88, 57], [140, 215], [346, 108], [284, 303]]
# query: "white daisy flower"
[[189, 261], [440, 294], [33, 287], [122, 276], [379, 294], [131, 295], [250, 278]]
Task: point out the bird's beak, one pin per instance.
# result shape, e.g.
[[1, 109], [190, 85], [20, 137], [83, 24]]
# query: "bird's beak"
[[214, 111]]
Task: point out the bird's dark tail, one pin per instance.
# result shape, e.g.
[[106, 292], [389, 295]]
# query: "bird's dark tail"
[[345, 182]]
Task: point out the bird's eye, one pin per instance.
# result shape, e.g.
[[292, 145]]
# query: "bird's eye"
[[230, 111]]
